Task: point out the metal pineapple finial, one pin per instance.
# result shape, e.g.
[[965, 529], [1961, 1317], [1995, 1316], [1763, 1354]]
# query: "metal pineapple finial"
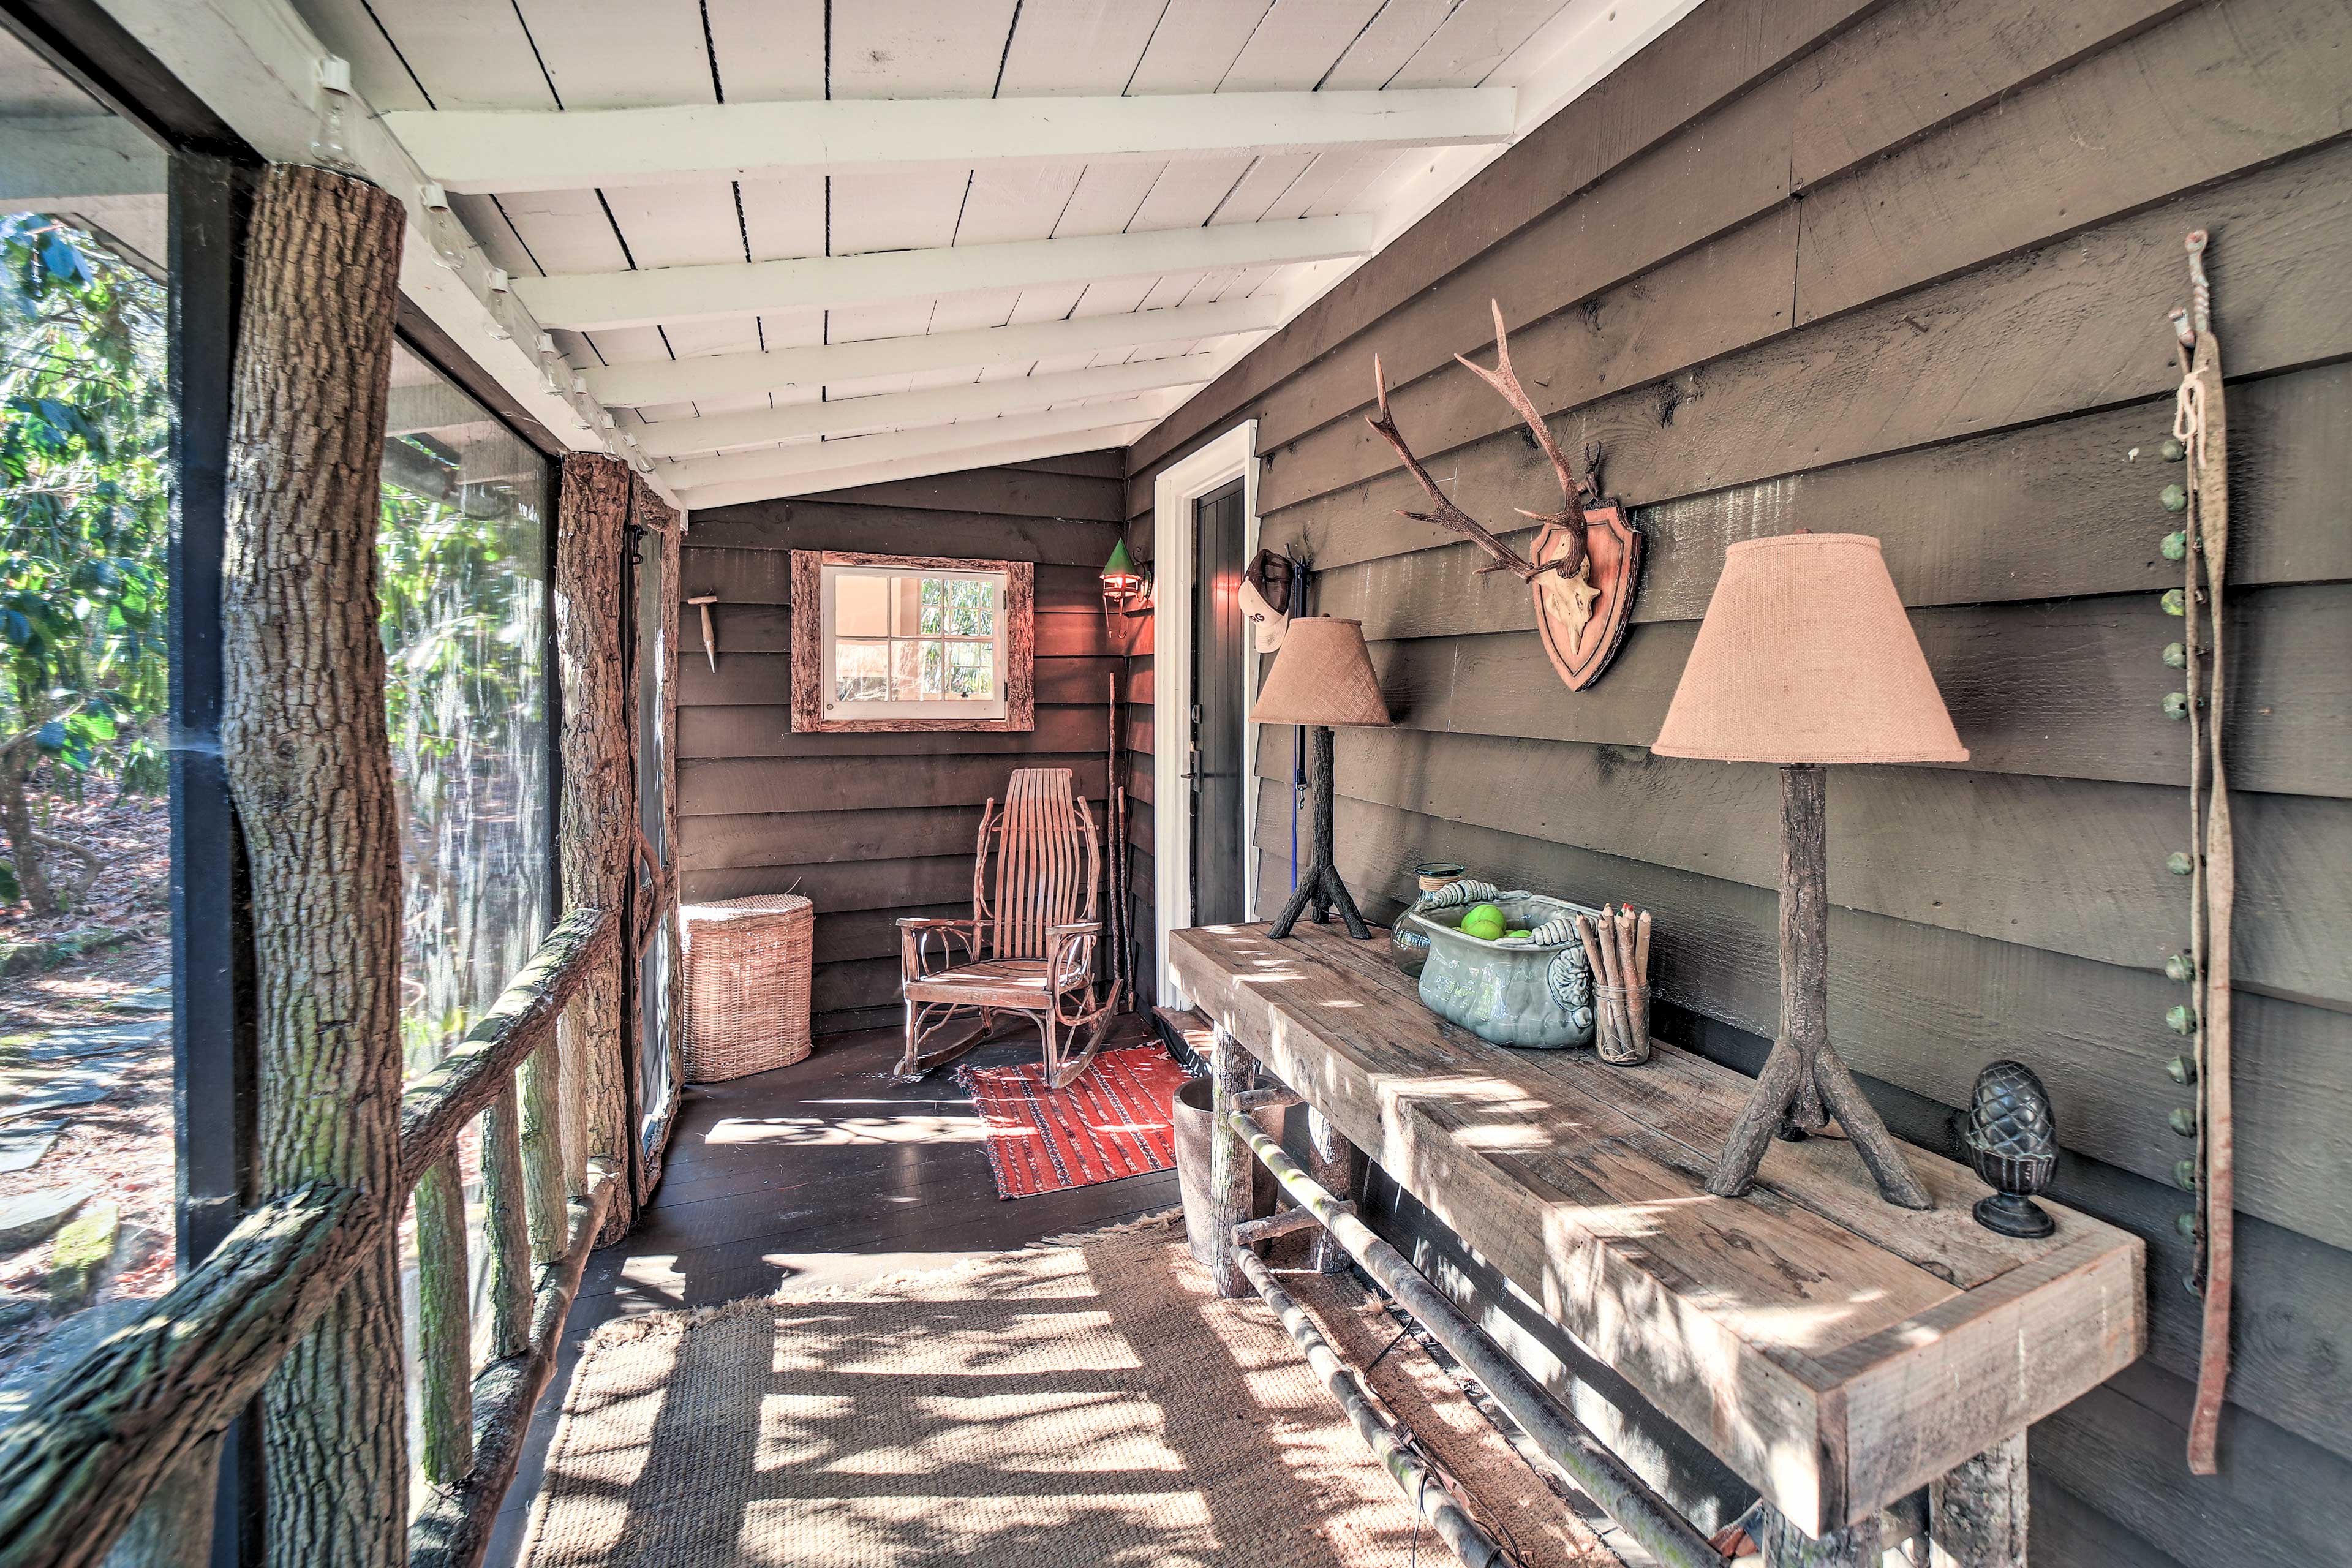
[[2012, 1140]]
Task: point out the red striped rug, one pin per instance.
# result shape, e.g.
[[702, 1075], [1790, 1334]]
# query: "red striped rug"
[[1110, 1125]]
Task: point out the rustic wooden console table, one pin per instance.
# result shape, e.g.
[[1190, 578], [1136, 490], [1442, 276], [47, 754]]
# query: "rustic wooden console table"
[[1835, 1351]]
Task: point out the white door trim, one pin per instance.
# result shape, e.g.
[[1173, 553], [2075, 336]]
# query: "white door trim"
[[1230, 456]]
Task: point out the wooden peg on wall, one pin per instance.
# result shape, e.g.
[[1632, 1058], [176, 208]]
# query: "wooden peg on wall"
[[710, 645]]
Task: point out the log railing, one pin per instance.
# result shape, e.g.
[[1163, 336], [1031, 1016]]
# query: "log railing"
[[149, 1402]]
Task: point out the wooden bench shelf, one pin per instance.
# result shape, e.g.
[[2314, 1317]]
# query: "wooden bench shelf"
[[1832, 1350]]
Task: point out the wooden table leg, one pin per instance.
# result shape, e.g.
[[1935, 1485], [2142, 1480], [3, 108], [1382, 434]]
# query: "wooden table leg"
[[1786, 1546], [1977, 1513], [1338, 1168], [1230, 1071]]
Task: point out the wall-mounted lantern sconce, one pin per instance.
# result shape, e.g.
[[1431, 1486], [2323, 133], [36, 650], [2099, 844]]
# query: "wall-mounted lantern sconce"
[[1126, 590]]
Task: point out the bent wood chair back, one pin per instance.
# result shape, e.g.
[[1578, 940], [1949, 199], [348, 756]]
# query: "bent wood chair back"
[[1048, 863], [1029, 949]]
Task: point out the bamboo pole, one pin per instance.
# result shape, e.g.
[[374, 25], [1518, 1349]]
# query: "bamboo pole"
[[444, 1329], [1647, 1517], [310, 766], [1420, 1486]]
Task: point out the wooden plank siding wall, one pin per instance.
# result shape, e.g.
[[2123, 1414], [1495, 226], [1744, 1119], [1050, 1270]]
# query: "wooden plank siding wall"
[[1903, 268], [873, 826]]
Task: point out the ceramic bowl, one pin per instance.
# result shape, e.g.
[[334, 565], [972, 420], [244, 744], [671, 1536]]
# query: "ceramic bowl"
[[1520, 993]]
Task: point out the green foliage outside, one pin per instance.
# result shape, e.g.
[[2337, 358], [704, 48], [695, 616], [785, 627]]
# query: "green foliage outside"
[[85, 516], [85, 510], [461, 572]]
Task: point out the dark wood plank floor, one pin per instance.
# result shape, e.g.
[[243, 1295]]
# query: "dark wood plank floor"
[[826, 1172]]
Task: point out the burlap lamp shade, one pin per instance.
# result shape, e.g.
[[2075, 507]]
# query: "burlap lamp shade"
[[1806, 659], [1322, 676], [1806, 656]]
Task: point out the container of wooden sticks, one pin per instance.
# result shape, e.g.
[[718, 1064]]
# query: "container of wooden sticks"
[[1617, 946]]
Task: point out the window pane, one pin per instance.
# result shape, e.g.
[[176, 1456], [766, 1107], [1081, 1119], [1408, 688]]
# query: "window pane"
[[461, 559], [86, 1067], [905, 606], [972, 671], [908, 681], [970, 606], [461, 552], [654, 591], [941, 646], [861, 607], [861, 672]]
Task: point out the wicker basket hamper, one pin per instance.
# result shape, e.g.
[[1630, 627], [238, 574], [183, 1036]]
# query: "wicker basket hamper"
[[747, 984]]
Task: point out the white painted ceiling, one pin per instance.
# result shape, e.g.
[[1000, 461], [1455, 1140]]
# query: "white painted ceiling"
[[63, 152], [726, 426]]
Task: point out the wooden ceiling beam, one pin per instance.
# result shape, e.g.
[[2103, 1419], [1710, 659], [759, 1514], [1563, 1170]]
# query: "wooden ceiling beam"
[[811, 458], [490, 151], [876, 471], [51, 163], [645, 382], [258, 64], [588, 301], [931, 406]]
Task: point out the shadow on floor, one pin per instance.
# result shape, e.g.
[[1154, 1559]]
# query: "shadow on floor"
[[826, 1172]]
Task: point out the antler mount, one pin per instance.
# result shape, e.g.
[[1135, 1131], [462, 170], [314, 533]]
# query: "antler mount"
[[1579, 488]]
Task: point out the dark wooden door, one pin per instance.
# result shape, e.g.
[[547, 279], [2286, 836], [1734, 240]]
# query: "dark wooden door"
[[1215, 761]]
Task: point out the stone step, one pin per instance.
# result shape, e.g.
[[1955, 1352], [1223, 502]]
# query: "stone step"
[[32, 1217]]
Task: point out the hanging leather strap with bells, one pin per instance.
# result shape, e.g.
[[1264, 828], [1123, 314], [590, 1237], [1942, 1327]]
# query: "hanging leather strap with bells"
[[2201, 432]]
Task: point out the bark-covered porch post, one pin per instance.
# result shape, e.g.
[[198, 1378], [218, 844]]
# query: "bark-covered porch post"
[[304, 744], [598, 822]]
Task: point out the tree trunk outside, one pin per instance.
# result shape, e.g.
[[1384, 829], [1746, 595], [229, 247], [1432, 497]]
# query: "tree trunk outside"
[[598, 827], [309, 766], [16, 820]]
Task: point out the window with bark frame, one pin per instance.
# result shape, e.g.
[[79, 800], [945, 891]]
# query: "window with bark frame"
[[907, 642]]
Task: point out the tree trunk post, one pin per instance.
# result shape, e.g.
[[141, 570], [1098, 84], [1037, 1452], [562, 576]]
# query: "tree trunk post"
[[174, 1528], [1977, 1513], [598, 825], [505, 1219], [309, 766], [444, 1329], [1339, 1169], [1231, 1069], [1786, 1546]]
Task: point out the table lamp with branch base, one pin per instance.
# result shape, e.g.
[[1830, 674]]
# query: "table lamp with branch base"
[[1321, 676], [1807, 660]]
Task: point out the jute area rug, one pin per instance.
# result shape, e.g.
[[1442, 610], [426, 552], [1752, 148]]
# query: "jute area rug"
[[1084, 1402]]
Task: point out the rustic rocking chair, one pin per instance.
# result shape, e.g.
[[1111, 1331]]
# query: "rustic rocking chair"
[[1030, 954]]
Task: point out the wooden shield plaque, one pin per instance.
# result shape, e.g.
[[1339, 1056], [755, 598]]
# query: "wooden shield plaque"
[[1583, 619]]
